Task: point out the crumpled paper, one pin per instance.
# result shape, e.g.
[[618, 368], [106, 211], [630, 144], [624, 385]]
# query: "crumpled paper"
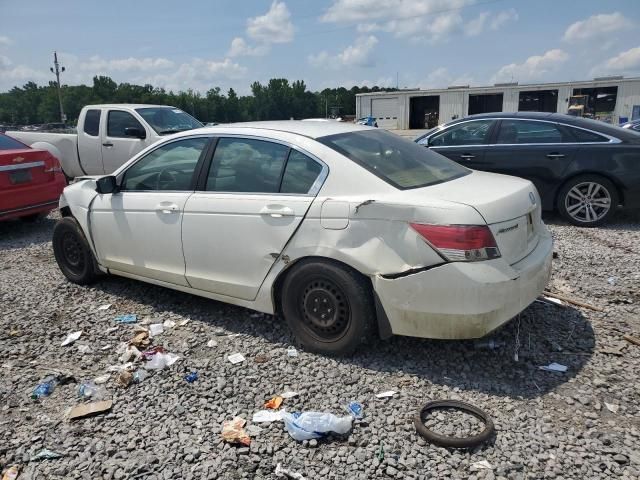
[[233, 431]]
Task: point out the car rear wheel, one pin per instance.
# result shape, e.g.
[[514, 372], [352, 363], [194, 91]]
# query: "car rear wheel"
[[72, 252], [588, 200], [328, 307]]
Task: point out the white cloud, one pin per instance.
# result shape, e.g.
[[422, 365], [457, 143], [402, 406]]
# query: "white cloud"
[[5, 41], [239, 47], [488, 20], [441, 77], [596, 26], [97, 64], [503, 17], [431, 20], [273, 27], [360, 54], [476, 26], [536, 67], [625, 62]]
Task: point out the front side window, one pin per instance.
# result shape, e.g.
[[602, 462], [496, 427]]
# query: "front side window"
[[300, 173], [529, 131], [92, 122], [167, 120], [585, 136], [465, 133], [246, 165], [398, 161], [169, 167], [118, 121]]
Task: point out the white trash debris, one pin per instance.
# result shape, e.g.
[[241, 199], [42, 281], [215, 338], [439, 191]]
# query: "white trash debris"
[[104, 307], [102, 379], [111, 330], [292, 352], [612, 407], [119, 368], [481, 465], [130, 354], [182, 323], [106, 347], [267, 416], [169, 324], [309, 425], [155, 329], [161, 360], [236, 358], [554, 367], [72, 337], [282, 472], [212, 343], [387, 394], [289, 394]]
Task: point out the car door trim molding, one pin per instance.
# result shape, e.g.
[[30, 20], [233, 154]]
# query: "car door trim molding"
[[315, 187], [612, 140]]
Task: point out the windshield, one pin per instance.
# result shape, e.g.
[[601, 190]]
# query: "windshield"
[[8, 143], [395, 160], [167, 120]]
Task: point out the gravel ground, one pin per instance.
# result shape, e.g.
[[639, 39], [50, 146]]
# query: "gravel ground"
[[584, 423]]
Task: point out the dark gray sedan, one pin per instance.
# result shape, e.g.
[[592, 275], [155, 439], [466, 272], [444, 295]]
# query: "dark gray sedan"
[[583, 168]]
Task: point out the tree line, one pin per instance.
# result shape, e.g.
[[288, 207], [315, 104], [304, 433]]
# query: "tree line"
[[278, 99]]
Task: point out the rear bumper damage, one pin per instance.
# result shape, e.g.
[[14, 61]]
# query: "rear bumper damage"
[[464, 300]]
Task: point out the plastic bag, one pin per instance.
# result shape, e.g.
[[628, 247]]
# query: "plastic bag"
[[308, 425], [91, 390], [161, 360]]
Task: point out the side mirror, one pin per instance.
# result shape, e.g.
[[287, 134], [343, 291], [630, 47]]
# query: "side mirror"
[[135, 132], [107, 185]]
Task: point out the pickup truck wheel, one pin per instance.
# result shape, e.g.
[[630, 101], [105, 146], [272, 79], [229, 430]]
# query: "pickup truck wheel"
[[72, 252], [328, 307]]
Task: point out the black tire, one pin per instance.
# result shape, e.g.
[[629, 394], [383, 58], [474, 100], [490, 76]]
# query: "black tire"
[[453, 442], [578, 206], [345, 315], [72, 252]]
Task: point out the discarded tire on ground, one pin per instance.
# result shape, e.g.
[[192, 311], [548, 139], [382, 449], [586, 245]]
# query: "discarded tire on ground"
[[454, 442]]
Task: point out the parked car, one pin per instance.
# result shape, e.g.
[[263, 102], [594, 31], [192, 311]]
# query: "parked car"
[[369, 121], [109, 135], [582, 168], [31, 180], [344, 229], [632, 125]]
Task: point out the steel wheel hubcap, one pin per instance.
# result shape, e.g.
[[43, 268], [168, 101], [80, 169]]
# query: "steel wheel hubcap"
[[72, 251], [325, 309], [588, 202]]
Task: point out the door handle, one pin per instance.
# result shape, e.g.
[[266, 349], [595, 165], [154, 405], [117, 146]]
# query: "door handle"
[[467, 156], [277, 211], [556, 155], [167, 208], [107, 144]]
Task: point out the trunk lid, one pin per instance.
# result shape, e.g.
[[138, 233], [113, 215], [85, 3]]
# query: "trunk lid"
[[26, 167], [509, 205]]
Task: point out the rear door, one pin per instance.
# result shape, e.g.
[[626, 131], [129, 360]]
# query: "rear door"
[[463, 142], [89, 142], [539, 151], [249, 204]]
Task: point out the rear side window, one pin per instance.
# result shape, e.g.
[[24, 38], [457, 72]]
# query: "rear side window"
[[246, 165], [398, 161], [585, 136], [92, 122], [529, 131], [300, 173], [8, 143], [118, 121]]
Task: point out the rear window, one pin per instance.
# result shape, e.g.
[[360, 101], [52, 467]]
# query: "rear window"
[[397, 161], [8, 143], [92, 122]]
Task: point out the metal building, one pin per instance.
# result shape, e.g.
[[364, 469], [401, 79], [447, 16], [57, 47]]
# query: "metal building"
[[611, 99]]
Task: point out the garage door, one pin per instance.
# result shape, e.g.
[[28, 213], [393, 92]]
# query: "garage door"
[[385, 111]]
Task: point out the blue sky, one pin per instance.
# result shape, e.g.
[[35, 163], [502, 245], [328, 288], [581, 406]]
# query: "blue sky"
[[200, 44]]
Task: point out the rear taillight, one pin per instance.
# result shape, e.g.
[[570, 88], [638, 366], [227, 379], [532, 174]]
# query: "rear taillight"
[[460, 243]]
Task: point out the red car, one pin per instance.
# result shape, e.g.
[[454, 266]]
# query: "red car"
[[31, 181]]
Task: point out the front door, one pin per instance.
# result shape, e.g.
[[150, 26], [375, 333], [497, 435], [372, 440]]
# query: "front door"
[[463, 142], [539, 151], [117, 146], [138, 229], [255, 195]]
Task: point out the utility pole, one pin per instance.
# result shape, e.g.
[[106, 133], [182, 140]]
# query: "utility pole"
[[57, 69]]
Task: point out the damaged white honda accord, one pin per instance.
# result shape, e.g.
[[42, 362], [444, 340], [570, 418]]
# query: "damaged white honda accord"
[[345, 230]]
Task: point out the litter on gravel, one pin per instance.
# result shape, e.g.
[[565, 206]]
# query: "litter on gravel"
[[236, 358], [387, 394], [554, 367], [72, 337], [128, 318]]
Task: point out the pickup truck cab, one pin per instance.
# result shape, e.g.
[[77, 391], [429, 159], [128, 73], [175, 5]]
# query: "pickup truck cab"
[[108, 136]]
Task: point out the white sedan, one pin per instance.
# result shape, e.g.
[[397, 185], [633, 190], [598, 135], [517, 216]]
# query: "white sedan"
[[345, 230]]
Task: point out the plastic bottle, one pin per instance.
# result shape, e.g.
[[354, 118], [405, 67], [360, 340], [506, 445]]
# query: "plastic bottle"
[[488, 344], [45, 388], [91, 390], [308, 425]]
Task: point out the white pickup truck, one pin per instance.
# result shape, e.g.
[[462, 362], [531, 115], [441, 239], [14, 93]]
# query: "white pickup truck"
[[108, 136]]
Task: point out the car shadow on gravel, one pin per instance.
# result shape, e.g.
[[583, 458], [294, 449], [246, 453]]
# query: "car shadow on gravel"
[[542, 334], [16, 234], [623, 220]]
